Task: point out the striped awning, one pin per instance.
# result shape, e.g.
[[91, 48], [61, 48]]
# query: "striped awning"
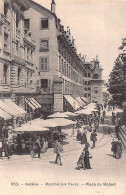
[[72, 102], [32, 103]]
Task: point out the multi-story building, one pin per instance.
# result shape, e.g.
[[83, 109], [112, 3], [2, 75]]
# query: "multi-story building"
[[16, 53], [60, 70], [93, 81]]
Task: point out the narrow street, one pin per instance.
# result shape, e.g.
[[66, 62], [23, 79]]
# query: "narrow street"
[[106, 170]]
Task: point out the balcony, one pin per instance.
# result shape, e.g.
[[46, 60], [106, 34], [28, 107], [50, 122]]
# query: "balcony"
[[28, 39]]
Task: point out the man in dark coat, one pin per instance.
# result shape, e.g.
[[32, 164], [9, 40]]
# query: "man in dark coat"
[[58, 149], [84, 137], [87, 157], [93, 138]]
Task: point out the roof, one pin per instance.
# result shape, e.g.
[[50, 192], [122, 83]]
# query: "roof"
[[40, 8]]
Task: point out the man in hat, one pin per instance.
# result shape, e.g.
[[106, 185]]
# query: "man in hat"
[[58, 149]]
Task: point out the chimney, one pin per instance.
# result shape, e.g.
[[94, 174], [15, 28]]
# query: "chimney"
[[53, 6]]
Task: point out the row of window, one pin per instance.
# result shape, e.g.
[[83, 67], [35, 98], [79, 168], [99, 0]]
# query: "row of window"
[[44, 24], [63, 52], [70, 88], [28, 81], [68, 71]]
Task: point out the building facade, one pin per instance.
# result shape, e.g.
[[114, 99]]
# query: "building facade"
[[93, 81], [60, 71], [17, 49]]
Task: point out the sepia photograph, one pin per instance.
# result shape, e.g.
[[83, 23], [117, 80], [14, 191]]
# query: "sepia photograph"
[[63, 97]]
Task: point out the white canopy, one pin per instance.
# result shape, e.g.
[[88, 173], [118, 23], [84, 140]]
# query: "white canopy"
[[58, 115], [85, 111], [11, 108], [30, 127], [5, 115], [42, 123], [70, 113], [61, 122], [16, 107], [91, 105]]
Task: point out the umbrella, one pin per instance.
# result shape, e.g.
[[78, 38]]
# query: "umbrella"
[[70, 113], [61, 122], [42, 123], [84, 111], [30, 127], [58, 115], [91, 105]]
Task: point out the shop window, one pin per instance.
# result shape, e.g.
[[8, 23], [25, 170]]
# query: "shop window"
[[44, 64], [44, 85], [44, 45], [44, 23], [5, 70]]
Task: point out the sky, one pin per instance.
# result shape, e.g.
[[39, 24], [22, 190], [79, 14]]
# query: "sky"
[[98, 27]]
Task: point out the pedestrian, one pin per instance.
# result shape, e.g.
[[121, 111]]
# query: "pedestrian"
[[93, 138], [58, 149], [113, 118], [38, 144], [96, 125], [78, 134], [104, 113], [118, 152], [87, 157], [73, 131], [45, 146], [117, 130], [84, 137], [116, 148], [80, 162], [5, 148]]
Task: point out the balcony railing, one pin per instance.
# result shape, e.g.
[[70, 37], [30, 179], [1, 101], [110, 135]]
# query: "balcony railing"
[[29, 39]]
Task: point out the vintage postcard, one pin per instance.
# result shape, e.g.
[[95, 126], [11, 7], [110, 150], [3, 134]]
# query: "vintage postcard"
[[63, 97]]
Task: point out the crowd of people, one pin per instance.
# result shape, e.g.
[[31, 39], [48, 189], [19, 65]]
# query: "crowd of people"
[[39, 144]]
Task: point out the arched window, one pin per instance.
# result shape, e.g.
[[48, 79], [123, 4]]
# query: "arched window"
[[95, 76]]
